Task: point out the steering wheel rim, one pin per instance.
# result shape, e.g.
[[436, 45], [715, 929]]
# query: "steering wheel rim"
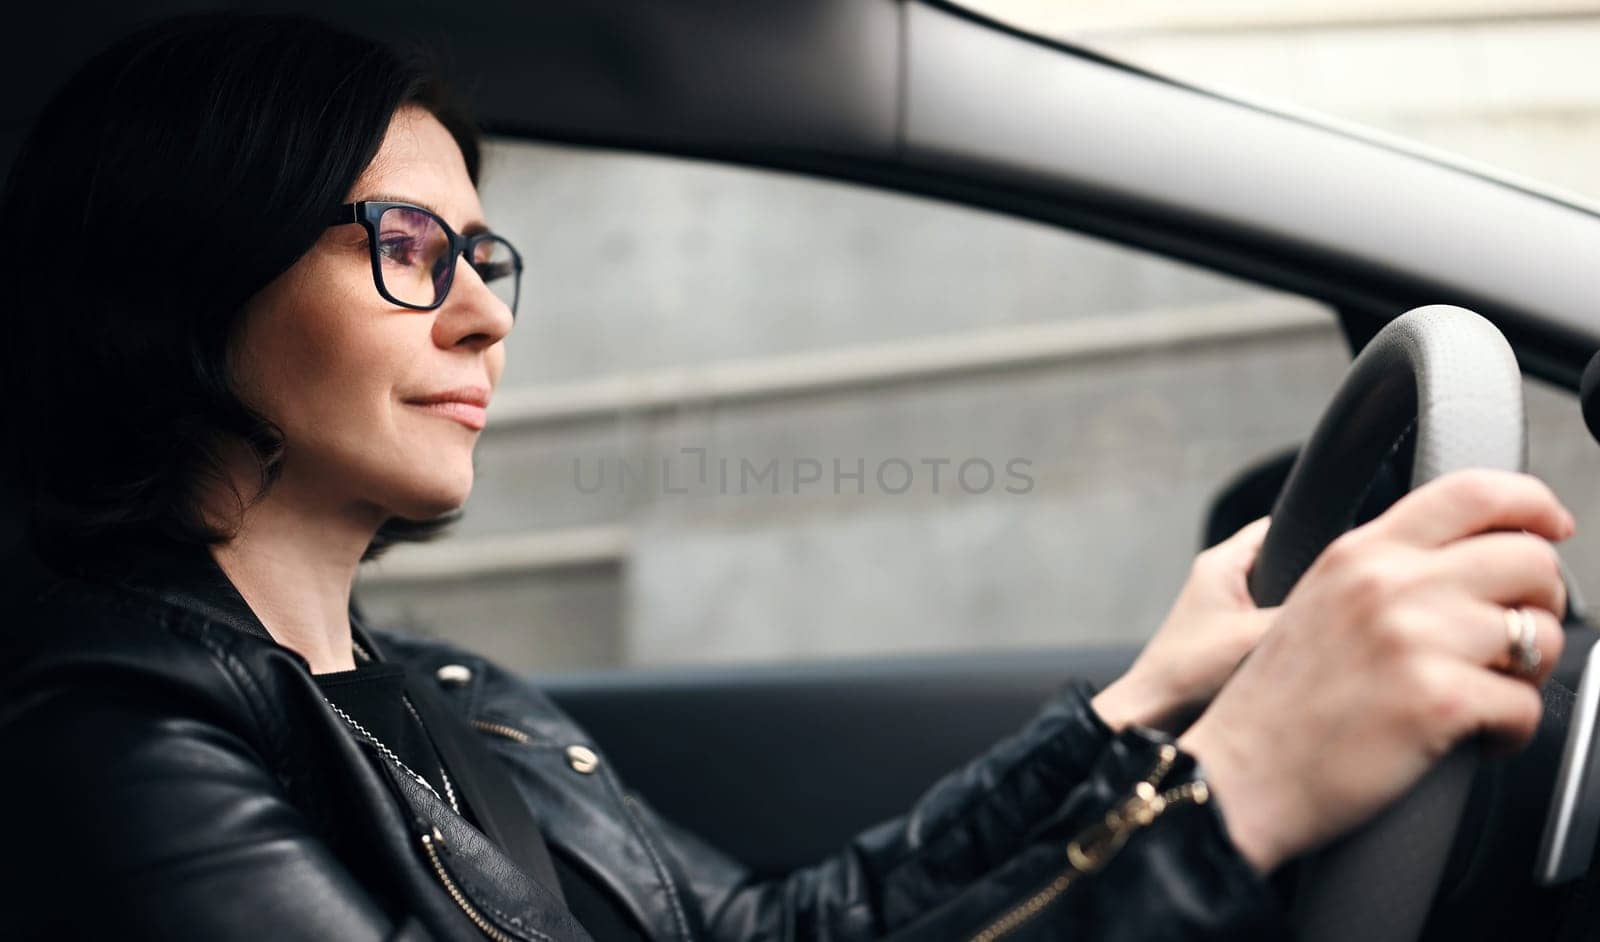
[[1449, 375]]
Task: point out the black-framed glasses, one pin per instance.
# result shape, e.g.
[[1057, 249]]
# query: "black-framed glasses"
[[414, 254]]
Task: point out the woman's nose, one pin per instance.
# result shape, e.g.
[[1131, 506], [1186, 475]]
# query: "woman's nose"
[[472, 314]]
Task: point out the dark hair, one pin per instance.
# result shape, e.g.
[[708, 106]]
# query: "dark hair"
[[172, 177]]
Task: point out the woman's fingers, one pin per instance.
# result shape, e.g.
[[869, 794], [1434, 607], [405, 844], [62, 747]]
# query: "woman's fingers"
[[1464, 503], [1508, 568], [1507, 710], [1229, 562], [1394, 646], [1480, 635], [1247, 542]]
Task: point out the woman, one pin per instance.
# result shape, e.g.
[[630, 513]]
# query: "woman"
[[256, 314]]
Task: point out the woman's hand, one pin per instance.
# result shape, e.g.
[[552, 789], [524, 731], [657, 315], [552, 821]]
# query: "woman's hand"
[[1392, 648], [1210, 629]]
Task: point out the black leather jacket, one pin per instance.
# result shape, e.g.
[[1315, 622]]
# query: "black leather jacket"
[[171, 772]]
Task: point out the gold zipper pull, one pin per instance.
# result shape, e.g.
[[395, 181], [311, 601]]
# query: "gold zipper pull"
[[1165, 757], [1101, 841]]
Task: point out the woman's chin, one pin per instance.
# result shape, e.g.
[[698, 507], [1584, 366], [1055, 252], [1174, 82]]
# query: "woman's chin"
[[436, 501]]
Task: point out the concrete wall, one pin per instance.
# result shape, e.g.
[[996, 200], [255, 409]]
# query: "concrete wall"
[[684, 322]]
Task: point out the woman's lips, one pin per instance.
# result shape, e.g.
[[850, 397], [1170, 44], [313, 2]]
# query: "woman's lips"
[[472, 416]]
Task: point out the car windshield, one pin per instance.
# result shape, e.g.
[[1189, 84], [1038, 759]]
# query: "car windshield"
[[1508, 86]]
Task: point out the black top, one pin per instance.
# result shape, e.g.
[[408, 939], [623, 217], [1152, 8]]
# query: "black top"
[[374, 695]]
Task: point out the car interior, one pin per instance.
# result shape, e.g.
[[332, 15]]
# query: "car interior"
[[929, 99]]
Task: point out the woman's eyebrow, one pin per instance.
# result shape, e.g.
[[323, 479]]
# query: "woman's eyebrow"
[[471, 228]]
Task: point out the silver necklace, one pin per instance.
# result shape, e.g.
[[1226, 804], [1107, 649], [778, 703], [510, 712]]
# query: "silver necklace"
[[388, 753]]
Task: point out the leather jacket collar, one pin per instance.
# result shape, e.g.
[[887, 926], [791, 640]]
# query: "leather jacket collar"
[[592, 805], [189, 577]]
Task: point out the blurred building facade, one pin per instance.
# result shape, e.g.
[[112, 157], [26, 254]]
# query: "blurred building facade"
[[751, 416]]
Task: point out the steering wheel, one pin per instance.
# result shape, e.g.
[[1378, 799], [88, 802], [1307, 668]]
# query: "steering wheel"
[[1448, 377]]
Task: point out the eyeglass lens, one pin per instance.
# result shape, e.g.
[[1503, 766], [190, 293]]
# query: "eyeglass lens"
[[496, 264], [416, 264]]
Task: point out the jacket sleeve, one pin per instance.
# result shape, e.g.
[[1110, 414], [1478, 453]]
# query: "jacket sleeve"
[[987, 838], [134, 817]]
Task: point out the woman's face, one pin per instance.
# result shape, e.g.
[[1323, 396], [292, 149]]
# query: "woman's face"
[[341, 370]]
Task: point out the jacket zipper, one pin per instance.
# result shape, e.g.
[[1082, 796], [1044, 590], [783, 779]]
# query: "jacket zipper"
[[1094, 847], [503, 731], [431, 843]]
